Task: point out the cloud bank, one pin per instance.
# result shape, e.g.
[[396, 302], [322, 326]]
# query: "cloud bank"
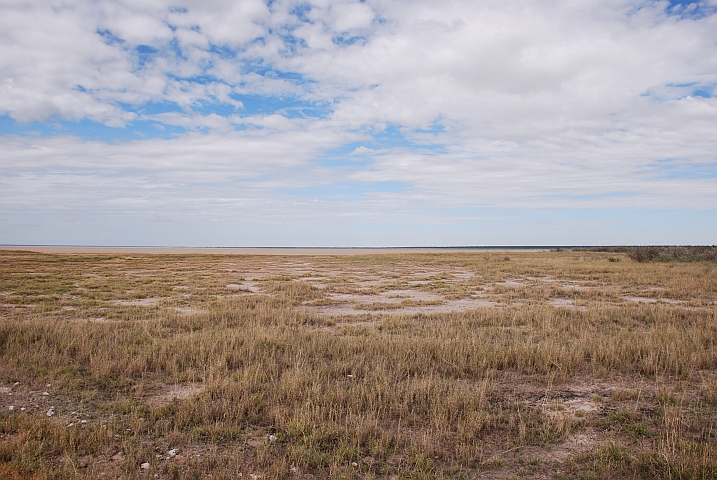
[[358, 123]]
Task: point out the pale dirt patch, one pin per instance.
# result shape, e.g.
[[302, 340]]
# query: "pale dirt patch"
[[96, 320], [463, 275], [572, 399], [317, 281], [561, 405], [187, 310], [247, 286], [171, 392], [567, 303], [669, 301], [651, 300], [541, 279], [416, 295], [639, 299], [427, 273], [390, 298], [92, 320], [561, 409], [562, 302], [141, 302], [573, 444], [393, 306], [511, 283]]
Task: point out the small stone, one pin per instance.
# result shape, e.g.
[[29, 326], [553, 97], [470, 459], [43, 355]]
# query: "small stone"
[[11, 407], [173, 452], [16, 384], [45, 393], [5, 390], [70, 424], [354, 464], [144, 466], [118, 457], [48, 385], [22, 409], [50, 412], [83, 421], [272, 438]]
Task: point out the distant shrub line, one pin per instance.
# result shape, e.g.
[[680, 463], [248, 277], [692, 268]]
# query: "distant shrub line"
[[665, 254]]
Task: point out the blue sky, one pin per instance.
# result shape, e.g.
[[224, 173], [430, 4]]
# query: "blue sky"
[[358, 123]]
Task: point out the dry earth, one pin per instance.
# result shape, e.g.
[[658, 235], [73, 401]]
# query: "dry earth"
[[454, 365]]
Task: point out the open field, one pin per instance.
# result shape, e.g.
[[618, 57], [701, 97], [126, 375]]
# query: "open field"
[[487, 364]]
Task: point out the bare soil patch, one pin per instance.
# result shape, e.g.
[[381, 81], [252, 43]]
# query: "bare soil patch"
[[169, 393], [141, 302], [398, 302]]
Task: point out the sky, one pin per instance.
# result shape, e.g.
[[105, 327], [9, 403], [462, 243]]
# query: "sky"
[[358, 123]]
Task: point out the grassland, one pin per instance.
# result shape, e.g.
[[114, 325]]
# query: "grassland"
[[571, 364]]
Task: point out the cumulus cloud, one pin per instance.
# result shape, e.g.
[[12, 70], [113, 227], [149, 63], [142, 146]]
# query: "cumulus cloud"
[[454, 105]]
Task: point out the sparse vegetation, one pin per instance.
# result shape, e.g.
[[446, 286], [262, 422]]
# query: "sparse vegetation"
[[664, 254], [561, 364], [673, 254]]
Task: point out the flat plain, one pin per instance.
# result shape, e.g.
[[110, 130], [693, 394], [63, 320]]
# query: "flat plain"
[[486, 364]]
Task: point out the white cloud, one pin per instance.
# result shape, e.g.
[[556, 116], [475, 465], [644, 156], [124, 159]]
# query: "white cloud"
[[509, 103], [362, 151], [350, 16]]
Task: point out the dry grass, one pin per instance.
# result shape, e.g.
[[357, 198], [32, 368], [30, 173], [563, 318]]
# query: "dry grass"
[[221, 365]]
